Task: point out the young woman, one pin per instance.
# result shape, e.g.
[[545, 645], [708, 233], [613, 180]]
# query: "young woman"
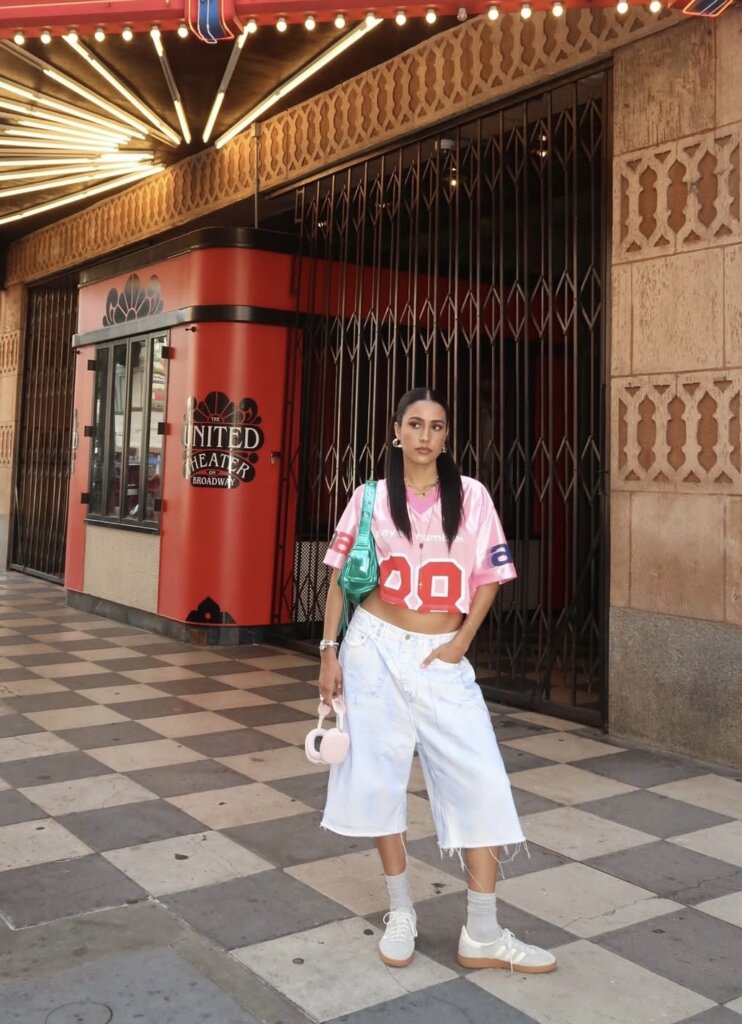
[[407, 683]]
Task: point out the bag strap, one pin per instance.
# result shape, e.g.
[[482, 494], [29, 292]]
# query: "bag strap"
[[367, 509]]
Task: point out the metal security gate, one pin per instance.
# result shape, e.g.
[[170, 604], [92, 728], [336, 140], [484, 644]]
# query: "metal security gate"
[[472, 260], [45, 432]]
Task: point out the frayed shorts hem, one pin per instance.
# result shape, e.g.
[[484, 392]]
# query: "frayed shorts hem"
[[449, 848]]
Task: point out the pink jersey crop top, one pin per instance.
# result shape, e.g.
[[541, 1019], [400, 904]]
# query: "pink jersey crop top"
[[431, 578]]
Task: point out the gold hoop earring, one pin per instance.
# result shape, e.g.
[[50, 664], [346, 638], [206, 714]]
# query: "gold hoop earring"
[[396, 443]]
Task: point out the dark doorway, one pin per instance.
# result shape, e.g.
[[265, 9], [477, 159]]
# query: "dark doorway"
[[472, 260], [39, 523]]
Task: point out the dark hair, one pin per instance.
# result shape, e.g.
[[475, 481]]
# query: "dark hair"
[[449, 477]]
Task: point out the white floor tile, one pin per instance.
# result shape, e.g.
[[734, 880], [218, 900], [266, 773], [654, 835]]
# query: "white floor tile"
[[197, 724], [714, 792], [67, 670], [29, 687], [562, 746], [580, 835], [289, 732], [567, 784], [150, 754], [238, 805], [186, 862], [581, 899], [356, 881], [166, 674], [336, 970], [254, 680], [266, 765], [221, 700], [592, 985], [37, 842], [724, 842], [726, 908], [75, 718], [275, 662], [37, 744], [87, 794]]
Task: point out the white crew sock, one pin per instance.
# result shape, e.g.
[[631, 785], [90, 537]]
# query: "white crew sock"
[[398, 887], [481, 916]]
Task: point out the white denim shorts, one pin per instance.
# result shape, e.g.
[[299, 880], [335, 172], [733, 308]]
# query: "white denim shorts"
[[394, 706]]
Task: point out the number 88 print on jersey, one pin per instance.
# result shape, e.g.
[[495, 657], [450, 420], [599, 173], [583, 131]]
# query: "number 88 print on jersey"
[[445, 580]]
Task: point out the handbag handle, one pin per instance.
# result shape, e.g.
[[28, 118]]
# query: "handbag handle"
[[367, 510]]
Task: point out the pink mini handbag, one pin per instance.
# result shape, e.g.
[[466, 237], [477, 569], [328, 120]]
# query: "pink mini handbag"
[[328, 746]]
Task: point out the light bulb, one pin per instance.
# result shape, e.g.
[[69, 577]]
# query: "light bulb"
[[282, 24], [252, 26], [622, 6], [526, 11], [73, 36], [310, 23], [431, 17], [126, 34], [493, 13], [46, 37], [370, 19], [183, 30], [557, 9], [19, 39], [339, 21], [99, 35], [655, 6], [401, 18]]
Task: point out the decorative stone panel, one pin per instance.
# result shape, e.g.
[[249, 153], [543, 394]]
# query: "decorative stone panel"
[[9, 348], [679, 196], [475, 63], [678, 432], [7, 436]]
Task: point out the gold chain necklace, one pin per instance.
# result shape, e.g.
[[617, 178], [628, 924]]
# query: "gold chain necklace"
[[423, 491]]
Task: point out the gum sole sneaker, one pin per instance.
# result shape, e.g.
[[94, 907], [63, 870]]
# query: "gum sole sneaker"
[[507, 952], [397, 945]]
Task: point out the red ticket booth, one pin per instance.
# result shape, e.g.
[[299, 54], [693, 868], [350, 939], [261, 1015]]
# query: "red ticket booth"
[[180, 420]]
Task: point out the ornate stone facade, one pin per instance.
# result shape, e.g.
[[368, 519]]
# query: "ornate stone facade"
[[678, 432], [475, 63]]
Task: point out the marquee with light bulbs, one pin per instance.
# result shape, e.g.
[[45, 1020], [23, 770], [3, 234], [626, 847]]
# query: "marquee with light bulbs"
[[218, 20], [67, 141]]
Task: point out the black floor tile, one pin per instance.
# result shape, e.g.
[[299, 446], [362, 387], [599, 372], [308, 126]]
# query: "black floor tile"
[[236, 741], [91, 736], [14, 807], [112, 828], [47, 892], [193, 777], [17, 725], [265, 714], [453, 1002], [38, 771], [286, 842], [688, 947], [260, 907], [47, 701]]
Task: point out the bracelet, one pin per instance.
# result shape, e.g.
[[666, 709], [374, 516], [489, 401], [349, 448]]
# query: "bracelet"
[[325, 644]]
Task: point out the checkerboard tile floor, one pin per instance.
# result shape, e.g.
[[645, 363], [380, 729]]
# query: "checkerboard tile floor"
[[134, 768]]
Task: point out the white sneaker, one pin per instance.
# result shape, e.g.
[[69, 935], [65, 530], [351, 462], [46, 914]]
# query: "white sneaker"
[[397, 945], [506, 952]]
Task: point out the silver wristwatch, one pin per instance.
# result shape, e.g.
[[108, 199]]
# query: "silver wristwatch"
[[324, 644]]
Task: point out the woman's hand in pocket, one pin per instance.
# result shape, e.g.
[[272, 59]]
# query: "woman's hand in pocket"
[[451, 653]]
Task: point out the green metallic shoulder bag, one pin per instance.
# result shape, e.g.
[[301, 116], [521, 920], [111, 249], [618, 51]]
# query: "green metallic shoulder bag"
[[360, 574]]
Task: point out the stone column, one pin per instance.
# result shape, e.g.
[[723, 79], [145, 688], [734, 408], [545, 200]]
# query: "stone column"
[[675, 663], [12, 309]]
